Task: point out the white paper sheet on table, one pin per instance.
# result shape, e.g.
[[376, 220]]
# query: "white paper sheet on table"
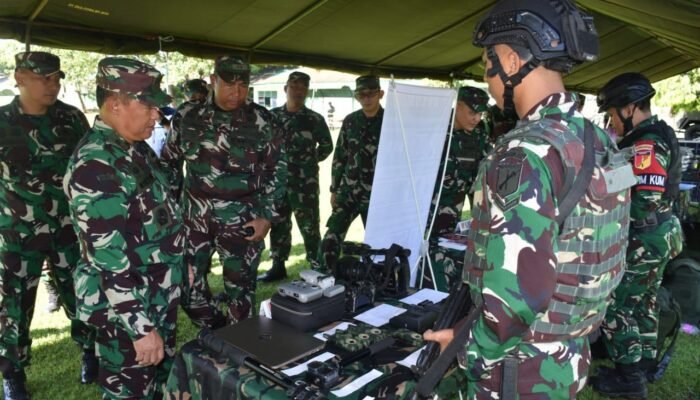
[[357, 383], [398, 213], [411, 359], [303, 367], [448, 244], [379, 315], [422, 295], [340, 327]]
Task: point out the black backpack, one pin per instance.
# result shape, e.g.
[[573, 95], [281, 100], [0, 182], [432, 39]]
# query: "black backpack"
[[669, 326], [682, 278]]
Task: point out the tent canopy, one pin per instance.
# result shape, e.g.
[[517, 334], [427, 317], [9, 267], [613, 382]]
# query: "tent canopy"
[[407, 38]]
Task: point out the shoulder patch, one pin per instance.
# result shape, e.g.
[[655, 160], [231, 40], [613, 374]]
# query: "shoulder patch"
[[650, 174], [509, 170]]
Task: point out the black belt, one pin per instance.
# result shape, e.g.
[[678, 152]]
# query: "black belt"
[[651, 221]]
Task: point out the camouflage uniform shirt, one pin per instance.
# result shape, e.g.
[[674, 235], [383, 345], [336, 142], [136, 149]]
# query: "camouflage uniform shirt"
[[356, 155], [229, 156], [130, 232], [35, 152], [466, 152], [306, 136], [517, 192]]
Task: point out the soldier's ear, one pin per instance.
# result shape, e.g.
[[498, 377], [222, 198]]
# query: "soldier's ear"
[[19, 77]]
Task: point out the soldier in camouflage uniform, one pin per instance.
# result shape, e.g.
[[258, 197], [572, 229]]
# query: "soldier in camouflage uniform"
[[129, 278], [37, 135], [543, 253], [234, 182], [196, 91], [631, 324], [353, 167], [307, 142], [468, 147]]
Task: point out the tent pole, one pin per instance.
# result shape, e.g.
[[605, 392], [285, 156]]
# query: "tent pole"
[[32, 17]]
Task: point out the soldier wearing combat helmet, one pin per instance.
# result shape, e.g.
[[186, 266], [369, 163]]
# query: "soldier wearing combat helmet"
[[632, 321], [548, 235], [38, 133], [129, 278]]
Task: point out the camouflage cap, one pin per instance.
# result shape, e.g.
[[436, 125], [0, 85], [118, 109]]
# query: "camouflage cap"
[[39, 62], [299, 76], [137, 79], [232, 68], [367, 82], [475, 98], [196, 86]]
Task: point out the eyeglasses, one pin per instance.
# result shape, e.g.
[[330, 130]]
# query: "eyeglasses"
[[366, 95]]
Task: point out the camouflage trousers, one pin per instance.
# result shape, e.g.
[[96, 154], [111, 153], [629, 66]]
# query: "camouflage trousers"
[[24, 247], [220, 231], [550, 371], [632, 321], [302, 200], [347, 209], [120, 375]]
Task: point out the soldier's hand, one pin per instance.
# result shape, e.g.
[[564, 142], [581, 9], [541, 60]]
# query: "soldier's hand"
[[334, 203], [443, 337], [149, 349], [261, 226]]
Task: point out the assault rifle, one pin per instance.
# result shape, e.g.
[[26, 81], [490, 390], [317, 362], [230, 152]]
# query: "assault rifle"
[[431, 364]]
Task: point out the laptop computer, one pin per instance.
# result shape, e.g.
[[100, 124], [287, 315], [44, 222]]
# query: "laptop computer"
[[269, 342]]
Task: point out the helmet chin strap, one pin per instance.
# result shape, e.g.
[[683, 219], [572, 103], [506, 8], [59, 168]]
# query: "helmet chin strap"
[[626, 122], [509, 82]]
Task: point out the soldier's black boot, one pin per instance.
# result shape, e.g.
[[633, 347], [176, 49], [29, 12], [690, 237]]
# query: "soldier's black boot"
[[89, 367], [627, 380], [53, 303], [14, 385], [276, 273]]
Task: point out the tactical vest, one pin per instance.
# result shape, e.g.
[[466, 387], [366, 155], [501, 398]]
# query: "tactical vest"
[[674, 170], [584, 255]]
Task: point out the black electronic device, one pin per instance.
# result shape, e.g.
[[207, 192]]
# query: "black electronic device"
[[386, 269], [307, 316], [419, 317]]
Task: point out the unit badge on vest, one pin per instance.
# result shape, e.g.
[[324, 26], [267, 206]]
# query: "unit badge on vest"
[[509, 171]]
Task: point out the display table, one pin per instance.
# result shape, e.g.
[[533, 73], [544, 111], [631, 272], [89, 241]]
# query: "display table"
[[199, 374]]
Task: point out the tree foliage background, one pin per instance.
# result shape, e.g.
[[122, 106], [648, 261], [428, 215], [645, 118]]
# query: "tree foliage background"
[[680, 92]]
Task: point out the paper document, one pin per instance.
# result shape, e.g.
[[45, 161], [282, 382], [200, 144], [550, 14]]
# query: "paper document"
[[425, 294], [340, 327], [448, 244], [412, 359], [379, 315], [357, 383], [303, 367]]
